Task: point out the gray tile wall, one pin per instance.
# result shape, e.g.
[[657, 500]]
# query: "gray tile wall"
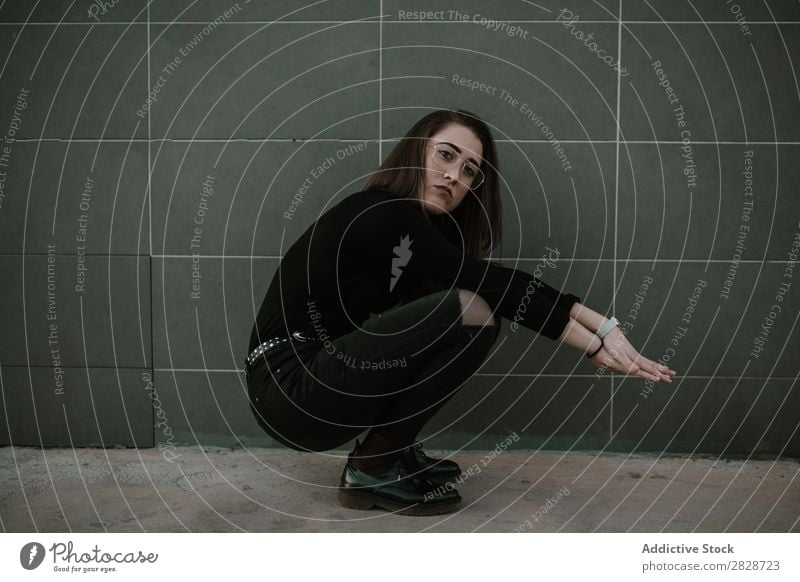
[[114, 115]]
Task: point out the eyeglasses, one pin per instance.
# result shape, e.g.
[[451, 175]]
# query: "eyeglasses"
[[445, 157]]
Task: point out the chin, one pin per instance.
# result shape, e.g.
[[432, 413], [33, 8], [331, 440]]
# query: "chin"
[[435, 207]]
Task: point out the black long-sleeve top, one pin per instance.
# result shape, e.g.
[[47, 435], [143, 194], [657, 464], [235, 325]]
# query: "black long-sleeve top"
[[364, 255]]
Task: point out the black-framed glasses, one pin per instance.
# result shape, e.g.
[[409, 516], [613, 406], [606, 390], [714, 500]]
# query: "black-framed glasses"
[[445, 157]]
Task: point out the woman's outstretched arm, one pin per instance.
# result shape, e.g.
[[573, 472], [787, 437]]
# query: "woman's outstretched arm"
[[618, 354], [590, 319]]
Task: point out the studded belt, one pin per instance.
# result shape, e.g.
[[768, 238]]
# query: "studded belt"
[[271, 343]]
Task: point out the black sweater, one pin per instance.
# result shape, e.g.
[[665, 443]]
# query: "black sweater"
[[365, 254]]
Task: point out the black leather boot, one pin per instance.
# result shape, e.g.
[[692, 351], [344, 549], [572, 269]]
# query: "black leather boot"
[[397, 489], [438, 471]]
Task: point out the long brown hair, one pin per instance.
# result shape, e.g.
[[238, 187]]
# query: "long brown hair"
[[477, 222]]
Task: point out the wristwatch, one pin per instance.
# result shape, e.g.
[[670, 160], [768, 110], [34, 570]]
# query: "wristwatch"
[[607, 327]]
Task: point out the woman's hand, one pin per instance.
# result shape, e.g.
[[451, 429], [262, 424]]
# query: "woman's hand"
[[619, 355]]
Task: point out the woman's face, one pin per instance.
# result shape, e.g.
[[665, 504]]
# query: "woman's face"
[[439, 177]]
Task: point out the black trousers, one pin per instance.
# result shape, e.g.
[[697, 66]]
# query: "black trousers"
[[393, 373]]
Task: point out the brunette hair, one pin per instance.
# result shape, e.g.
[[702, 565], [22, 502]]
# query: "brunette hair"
[[477, 222]]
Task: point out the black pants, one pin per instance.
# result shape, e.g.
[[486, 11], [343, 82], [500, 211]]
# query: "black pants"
[[393, 373]]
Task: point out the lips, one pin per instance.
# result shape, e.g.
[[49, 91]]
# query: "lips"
[[445, 189]]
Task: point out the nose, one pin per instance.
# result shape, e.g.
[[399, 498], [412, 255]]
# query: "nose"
[[452, 174]]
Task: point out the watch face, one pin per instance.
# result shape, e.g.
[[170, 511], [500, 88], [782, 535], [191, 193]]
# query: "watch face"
[[607, 327]]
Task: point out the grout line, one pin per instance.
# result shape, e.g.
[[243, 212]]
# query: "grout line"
[[616, 210], [482, 374], [149, 145], [407, 22], [573, 259], [150, 219], [380, 86], [371, 140], [487, 375], [277, 257]]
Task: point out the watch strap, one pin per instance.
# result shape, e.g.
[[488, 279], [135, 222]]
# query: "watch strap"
[[607, 327]]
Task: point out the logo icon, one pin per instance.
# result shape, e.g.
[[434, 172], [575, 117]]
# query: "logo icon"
[[403, 255], [31, 555]]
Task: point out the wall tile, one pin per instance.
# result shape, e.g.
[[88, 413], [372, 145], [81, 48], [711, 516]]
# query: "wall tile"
[[546, 206], [718, 416], [454, 10], [95, 407], [202, 408], [248, 10], [730, 87], [253, 186], [678, 313], [74, 11], [93, 194], [210, 331], [551, 413], [544, 71], [96, 317], [749, 10], [666, 214], [78, 81], [257, 81]]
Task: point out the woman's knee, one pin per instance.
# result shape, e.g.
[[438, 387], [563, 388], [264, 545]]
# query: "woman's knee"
[[474, 309]]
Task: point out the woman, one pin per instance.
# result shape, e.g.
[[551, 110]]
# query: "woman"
[[409, 247]]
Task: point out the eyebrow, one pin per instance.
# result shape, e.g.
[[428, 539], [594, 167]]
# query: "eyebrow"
[[458, 149]]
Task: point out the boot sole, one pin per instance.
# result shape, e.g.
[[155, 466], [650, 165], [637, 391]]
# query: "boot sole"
[[364, 501]]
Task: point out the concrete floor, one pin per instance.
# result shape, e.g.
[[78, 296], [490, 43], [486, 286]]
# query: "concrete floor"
[[277, 490]]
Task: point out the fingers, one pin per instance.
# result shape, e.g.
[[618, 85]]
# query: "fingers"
[[621, 363], [662, 369], [655, 370], [662, 372], [638, 365]]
